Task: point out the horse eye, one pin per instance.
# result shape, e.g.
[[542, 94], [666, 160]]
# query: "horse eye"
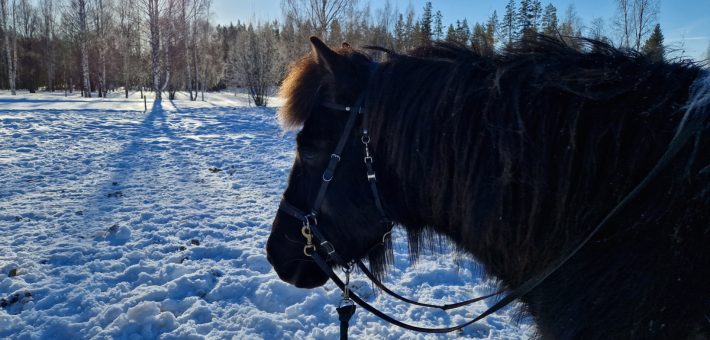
[[308, 155]]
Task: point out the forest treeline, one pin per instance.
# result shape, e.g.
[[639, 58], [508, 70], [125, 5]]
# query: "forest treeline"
[[164, 46]]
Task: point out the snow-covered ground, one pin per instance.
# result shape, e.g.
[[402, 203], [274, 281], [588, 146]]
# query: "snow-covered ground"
[[117, 223]]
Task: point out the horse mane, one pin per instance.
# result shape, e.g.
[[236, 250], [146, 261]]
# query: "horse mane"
[[462, 128]]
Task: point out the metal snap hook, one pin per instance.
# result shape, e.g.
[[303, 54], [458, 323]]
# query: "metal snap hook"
[[306, 231]]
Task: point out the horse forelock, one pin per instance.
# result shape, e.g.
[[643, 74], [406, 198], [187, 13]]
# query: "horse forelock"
[[308, 82], [299, 89]]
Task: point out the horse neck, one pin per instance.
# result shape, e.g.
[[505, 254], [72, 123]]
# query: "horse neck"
[[472, 168]]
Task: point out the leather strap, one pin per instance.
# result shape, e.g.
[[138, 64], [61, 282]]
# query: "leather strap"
[[356, 108], [345, 313], [319, 260], [379, 284]]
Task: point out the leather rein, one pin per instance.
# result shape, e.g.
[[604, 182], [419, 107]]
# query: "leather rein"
[[692, 121]]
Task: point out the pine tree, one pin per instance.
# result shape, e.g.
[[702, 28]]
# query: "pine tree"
[[523, 18], [411, 28], [535, 13], [491, 30], [425, 23], [335, 38], [451, 34], [416, 35], [549, 20], [653, 47], [438, 26], [478, 38], [463, 32], [400, 34], [509, 22]]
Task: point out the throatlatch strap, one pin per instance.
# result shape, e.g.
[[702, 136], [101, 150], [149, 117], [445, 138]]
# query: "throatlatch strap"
[[345, 313]]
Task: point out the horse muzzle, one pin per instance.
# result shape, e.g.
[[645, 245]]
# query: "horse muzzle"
[[289, 261]]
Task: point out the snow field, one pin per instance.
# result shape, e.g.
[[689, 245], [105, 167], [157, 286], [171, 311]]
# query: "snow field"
[[117, 223]]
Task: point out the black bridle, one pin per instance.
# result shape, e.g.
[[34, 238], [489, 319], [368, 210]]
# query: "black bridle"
[[692, 121]]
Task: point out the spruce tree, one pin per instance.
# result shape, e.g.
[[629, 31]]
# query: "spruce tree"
[[463, 32], [491, 30], [478, 38], [549, 20], [523, 19], [400, 34], [425, 23], [653, 47], [416, 35], [535, 13], [509, 22], [438, 26], [451, 34]]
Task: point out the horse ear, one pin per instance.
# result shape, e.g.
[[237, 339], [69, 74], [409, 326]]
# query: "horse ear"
[[327, 57], [346, 45]]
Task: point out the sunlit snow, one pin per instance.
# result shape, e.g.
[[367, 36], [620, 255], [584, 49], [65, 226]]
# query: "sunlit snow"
[[117, 223]]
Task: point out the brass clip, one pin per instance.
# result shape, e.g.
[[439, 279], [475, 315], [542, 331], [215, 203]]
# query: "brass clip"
[[306, 231]]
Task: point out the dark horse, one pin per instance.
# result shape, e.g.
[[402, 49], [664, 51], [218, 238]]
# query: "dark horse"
[[516, 158]]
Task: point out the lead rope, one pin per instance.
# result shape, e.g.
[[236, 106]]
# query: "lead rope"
[[346, 307]]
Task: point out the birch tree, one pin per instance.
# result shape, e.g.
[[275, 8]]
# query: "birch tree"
[[29, 62], [102, 23], [634, 20], [252, 57], [571, 27], [154, 22], [320, 13], [83, 37], [47, 10], [188, 8], [127, 34], [75, 13], [8, 7]]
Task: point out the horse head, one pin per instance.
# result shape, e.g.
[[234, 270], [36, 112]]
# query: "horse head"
[[347, 216]]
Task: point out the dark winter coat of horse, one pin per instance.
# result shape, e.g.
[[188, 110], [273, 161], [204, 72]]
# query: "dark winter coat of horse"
[[516, 158]]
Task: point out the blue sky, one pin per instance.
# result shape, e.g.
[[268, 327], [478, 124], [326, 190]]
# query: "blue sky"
[[685, 23]]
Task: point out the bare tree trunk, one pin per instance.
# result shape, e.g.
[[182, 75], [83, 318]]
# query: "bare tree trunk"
[[47, 8], [205, 40], [168, 41], [635, 19], [125, 20], [101, 28], [186, 35], [84, 50], [10, 49], [153, 16], [647, 12], [204, 77], [197, 72], [187, 65]]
